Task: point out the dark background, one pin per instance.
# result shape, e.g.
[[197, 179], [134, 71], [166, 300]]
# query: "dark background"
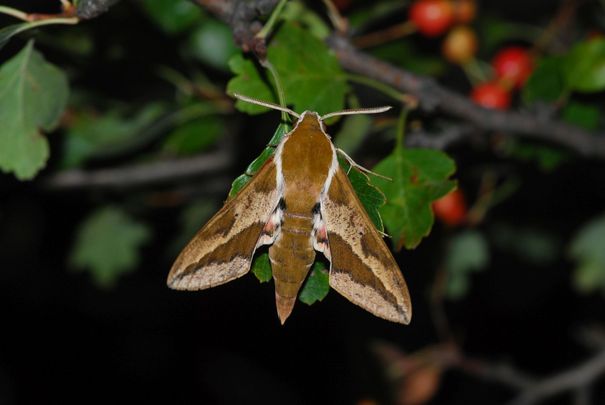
[[65, 341]]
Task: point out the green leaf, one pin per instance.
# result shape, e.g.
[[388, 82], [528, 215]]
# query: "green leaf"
[[257, 163], [494, 31], [261, 267], [309, 73], [107, 245], [583, 115], [33, 95], [352, 133], [317, 286], [248, 81], [194, 136], [297, 11], [113, 132], [10, 31], [370, 196], [547, 82], [587, 251], [173, 16], [212, 43], [467, 253], [584, 66], [419, 176]]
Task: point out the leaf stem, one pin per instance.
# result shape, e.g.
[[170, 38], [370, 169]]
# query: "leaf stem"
[[400, 130], [381, 87], [278, 87], [263, 33], [14, 13]]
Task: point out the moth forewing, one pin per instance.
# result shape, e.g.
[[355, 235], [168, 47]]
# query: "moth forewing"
[[362, 267], [223, 249]]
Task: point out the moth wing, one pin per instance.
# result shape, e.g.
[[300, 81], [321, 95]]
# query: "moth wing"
[[362, 267], [222, 250]]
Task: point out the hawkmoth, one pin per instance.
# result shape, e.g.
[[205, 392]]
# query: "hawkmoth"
[[299, 202]]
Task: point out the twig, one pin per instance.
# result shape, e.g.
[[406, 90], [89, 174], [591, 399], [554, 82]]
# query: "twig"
[[242, 16], [139, 174], [450, 135], [576, 378]]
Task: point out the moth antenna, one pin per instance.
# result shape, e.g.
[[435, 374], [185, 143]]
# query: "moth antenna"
[[363, 169], [374, 110], [265, 104]]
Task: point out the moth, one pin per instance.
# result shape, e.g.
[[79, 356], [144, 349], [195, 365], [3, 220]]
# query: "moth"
[[299, 202]]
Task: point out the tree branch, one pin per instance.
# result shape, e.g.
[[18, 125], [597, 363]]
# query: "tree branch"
[[140, 174], [433, 96], [242, 16], [576, 378]]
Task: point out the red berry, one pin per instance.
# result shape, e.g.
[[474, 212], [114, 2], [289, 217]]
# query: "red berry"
[[451, 208], [491, 95], [513, 65], [432, 17], [460, 45]]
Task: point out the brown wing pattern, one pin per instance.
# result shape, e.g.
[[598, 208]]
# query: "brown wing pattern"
[[222, 250], [362, 267]]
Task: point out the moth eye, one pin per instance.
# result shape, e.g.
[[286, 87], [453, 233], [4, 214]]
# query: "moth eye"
[[315, 209], [282, 204]]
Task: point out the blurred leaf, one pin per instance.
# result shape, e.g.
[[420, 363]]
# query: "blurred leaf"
[[536, 246], [581, 70], [212, 43], [310, 74], [584, 66], [317, 286], [494, 31], [33, 95], [547, 82], [352, 133], [107, 245], [583, 115], [587, 250], [173, 16], [261, 267], [547, 158], [419, 176], [194, 136], [467, 253], [92, 135], [10, 31], [257, 163], [296, 11], [248, 81]]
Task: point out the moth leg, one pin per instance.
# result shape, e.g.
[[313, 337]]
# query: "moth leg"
[[272, 227], [359, 167], [320, 233]]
